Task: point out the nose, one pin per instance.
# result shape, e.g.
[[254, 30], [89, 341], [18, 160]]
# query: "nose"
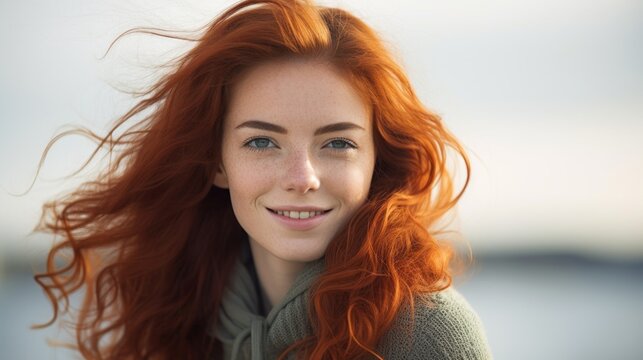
[[300, 175]]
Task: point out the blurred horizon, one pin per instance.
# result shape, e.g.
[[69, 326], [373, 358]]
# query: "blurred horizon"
[[577, 308]]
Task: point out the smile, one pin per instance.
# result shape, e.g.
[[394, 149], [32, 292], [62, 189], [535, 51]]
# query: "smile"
[[298, 214], [299, 220]]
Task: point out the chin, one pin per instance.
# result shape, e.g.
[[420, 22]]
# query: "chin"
[[303, 255]]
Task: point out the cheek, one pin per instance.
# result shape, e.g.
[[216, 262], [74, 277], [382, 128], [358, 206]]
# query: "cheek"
[[245, 173], [352, 182], [248, 181], [245, 188]]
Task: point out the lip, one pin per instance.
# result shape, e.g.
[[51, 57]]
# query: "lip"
[[298, 208], [299, 224]]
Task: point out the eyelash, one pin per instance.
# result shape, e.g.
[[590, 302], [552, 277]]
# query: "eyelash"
[[246, 144], [351, 145]]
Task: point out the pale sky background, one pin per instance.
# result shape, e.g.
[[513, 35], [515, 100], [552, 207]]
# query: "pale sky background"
[[546, 95]]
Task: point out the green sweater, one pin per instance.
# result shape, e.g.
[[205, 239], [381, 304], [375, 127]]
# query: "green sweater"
[[450, 330]]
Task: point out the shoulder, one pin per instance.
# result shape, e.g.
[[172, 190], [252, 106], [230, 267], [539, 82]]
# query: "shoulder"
[[442, 325]]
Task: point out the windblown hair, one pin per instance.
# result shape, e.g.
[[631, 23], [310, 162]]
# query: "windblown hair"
[[151, 242]]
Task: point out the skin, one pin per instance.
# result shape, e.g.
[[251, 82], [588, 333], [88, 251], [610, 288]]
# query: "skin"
[[299, 166]]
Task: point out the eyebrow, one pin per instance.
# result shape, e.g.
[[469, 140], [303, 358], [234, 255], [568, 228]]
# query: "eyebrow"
[[262, 125]]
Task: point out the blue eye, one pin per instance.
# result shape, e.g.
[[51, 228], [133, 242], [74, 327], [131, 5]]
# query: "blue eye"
[[341, 144], [260, 143]]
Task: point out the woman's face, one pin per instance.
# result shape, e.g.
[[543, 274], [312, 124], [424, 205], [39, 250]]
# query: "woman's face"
[[297, 155]]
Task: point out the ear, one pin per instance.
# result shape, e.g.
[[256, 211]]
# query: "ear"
[[221, 178]]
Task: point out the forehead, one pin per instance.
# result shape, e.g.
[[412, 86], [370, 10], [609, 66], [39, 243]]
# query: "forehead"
[[296, 93]]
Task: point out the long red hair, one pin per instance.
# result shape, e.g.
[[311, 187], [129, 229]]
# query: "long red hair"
[[151, 242]]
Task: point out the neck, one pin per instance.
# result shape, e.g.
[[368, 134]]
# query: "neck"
[[276, 276]]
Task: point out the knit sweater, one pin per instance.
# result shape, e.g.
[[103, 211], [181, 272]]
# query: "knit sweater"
[[450, 329]]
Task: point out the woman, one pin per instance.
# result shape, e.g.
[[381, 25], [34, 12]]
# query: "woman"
[[278, 200]]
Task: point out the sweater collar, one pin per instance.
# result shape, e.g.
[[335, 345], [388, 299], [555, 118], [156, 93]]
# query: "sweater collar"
[[244, 332]]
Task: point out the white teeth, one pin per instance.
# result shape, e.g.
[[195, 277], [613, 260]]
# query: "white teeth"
[[299, 214]]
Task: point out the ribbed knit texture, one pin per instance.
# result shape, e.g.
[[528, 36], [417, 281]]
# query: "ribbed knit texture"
[[444, 328], [448, 328]]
